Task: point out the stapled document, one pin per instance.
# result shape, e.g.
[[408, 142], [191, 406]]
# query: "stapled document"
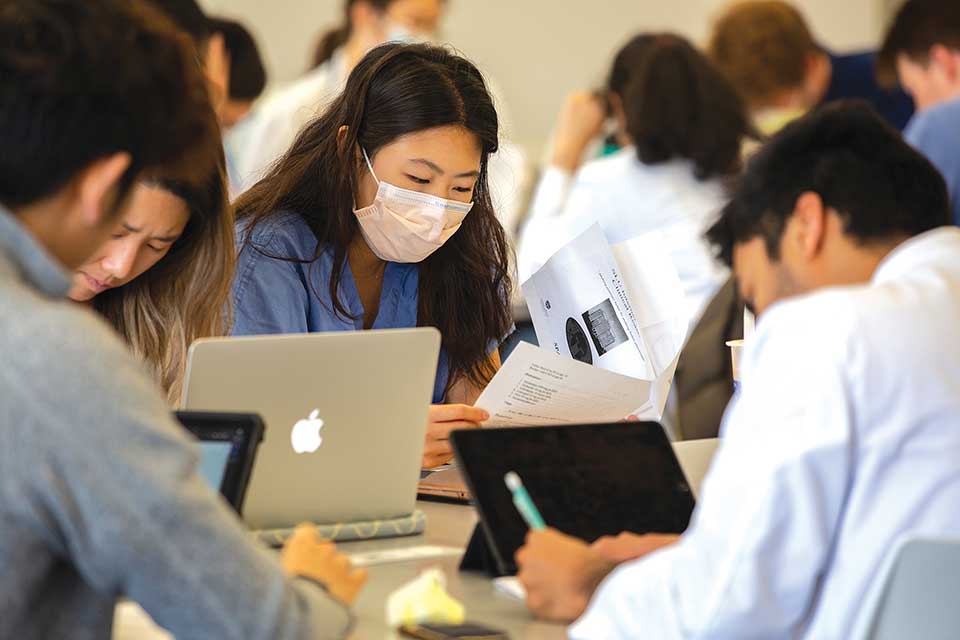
[[536, 387], [611, 322]]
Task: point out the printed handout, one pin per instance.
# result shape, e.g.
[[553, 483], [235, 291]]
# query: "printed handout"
[[611, 322], [536, 388]]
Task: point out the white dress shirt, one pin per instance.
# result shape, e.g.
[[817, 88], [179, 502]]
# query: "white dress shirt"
[[628, 198], [845, 437]]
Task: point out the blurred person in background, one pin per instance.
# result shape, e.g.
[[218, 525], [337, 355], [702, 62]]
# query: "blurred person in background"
[[922, 51], [210, 46], [681, 127], [366, 23], [247, 80], [767, 50]]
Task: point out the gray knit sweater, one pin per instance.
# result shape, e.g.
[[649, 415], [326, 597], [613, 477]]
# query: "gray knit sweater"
[[99, 491]]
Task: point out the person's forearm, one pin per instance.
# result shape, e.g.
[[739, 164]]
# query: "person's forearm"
[[567, 155], [325, 616]]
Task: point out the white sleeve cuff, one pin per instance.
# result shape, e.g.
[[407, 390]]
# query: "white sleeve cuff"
[[551, 194], [634, 601]]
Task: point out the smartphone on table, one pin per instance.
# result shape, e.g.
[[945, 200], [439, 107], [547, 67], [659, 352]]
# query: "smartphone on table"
[[453, 632]]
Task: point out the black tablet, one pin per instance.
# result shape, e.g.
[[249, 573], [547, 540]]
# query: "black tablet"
[[587, 481], [228, 445]]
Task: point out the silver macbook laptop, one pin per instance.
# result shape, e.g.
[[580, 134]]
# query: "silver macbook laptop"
[[345, 416]]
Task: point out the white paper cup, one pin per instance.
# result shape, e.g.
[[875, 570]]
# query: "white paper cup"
[[736, 352]]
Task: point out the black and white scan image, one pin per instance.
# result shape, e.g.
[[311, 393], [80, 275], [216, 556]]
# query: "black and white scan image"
[[578, 343], [604, 327]]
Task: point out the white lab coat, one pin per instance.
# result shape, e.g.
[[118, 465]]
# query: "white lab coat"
[[628, 198], [845, 437], [274, 125], [236, 141]]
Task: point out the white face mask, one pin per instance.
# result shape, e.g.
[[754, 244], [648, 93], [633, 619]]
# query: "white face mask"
[[407, 226]]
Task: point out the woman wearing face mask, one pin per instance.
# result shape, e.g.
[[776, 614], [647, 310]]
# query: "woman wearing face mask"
[[380, 217], [366, 24], [163, 280]]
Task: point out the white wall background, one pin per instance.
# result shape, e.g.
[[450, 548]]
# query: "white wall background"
[[536, 51]]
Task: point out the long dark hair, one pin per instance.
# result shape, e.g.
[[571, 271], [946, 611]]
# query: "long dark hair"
[[335, 38], [394, 91], [678, 105]]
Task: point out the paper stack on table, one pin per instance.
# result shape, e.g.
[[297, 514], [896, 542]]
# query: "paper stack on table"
[[611, 322]]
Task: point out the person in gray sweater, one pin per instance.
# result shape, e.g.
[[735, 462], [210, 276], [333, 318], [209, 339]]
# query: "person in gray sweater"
[[100, 496]]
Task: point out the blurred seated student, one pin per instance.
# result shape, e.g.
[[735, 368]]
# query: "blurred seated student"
[[163, 277], [922, 49], [768, 52], [611, 136], [247, 80], [682, 126], [843, 437], [380, 217], [101, 496], [366, 24], [210, 47]]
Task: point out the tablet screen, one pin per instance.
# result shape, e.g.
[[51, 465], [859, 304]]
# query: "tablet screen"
[[587, 481], [214, 457], [228, 444]]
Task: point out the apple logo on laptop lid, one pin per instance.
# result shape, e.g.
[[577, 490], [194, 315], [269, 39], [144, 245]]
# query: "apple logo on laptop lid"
[[305, 436]]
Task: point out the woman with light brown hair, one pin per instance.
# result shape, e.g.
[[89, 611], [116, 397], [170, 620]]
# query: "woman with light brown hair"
[[163, 279]]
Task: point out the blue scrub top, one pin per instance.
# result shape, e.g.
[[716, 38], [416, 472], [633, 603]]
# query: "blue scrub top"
[[935, 132], [271, 295]]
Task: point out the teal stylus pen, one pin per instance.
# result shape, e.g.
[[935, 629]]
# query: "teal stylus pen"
[[523, 502]]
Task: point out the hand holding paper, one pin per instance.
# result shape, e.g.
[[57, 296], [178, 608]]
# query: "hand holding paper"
[[612, 322], [620, 308]]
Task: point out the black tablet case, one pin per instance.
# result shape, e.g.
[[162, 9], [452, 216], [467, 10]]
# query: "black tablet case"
[[239, 471], [651, 444]]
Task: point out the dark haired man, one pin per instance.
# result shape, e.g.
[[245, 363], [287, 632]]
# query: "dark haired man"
[[209, 43], [100, 495], [922, 50], [247, 81], [248, 78], [843, 438]]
